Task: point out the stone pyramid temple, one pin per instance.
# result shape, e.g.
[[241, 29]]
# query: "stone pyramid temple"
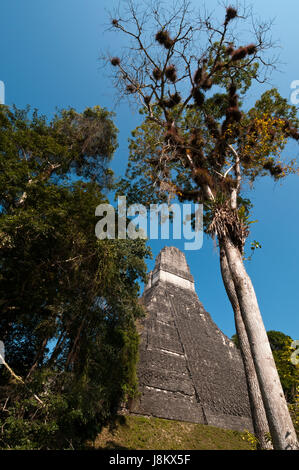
[[188, 369]]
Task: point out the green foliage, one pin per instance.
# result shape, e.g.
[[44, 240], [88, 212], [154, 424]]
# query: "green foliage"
[[158, 165], [207, 146], [68, 301], [288, 372], [255, 245]]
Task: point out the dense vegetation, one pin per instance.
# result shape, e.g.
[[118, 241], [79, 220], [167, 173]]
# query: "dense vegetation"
[[281, 346], [68, 300]]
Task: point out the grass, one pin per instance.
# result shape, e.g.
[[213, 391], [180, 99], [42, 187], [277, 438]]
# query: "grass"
[[140, 433]]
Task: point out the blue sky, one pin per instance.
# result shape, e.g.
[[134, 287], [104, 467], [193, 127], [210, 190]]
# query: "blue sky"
[[49, 59]]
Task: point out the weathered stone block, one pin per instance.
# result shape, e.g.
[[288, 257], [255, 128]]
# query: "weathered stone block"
[[188, 369]]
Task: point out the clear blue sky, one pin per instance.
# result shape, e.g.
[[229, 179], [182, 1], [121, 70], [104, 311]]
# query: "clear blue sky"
[[49, 59]]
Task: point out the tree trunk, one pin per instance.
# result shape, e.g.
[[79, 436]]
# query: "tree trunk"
[[260, 423], [73, 348], [280, 423], [38, 356], [60, 342]]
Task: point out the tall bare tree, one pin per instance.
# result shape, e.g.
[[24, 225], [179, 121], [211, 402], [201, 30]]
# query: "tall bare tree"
[[259, 418], [197, 143]]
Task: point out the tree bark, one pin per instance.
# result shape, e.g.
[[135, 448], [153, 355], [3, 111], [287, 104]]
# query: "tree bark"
[[38, 356], [60, 342], [280, 423], [259, 418], [73, 348]]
